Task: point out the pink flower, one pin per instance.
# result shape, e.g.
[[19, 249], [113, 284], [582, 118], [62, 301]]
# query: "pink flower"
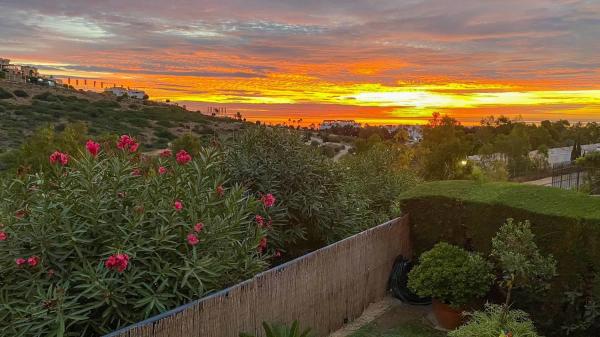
[[262, 245], [20, 261], [127, 143], [60, 158], [162, 170], [268, 200], [259, 220], [178, 205], [198, 227], [33, 261], [220, 190], [136, 172], [117, 262], [183, 157], [166, 153], [92, 147], [277, 253], [134, 147], [192, 239], [3, 236]]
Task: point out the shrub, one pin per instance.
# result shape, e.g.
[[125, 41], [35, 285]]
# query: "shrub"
[[451, 275], [5, 94], [377, 176], [308, 185], [494, 322], [108, 240], [46, 96], [21, 93], [519, 259], [186, 142], [279, 330], [33, 153]]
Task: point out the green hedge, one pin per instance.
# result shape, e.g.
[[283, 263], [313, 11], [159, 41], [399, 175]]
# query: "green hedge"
[[467, 213]]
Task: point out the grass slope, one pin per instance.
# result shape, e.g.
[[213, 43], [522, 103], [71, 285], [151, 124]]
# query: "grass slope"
[[155, 124]]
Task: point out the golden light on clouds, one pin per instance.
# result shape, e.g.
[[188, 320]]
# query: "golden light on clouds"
[[379, 62]]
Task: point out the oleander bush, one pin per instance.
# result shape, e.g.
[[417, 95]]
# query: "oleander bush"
[[309, 185], [377, 176], [108, 237]]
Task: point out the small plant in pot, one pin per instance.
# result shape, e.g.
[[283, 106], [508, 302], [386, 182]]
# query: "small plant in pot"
[[454, 278]]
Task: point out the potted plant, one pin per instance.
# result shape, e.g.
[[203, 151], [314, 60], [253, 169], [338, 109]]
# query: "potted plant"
[[454, 278]]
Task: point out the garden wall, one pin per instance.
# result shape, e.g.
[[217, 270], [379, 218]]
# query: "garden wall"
[[322, 290]]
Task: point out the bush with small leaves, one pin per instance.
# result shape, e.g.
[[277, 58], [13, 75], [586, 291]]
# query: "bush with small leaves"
[[518, 257], [451, 275]]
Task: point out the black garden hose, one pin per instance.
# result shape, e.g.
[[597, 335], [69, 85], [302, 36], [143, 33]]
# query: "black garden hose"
[[399, 283]]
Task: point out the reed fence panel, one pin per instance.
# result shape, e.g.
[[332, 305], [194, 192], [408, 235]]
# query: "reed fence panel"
[[322, 290]]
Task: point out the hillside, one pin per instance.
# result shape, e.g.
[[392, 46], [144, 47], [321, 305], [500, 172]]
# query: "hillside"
[[154, 124]]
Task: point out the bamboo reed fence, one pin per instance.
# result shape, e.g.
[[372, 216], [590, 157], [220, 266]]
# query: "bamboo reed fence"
[[322, 290]]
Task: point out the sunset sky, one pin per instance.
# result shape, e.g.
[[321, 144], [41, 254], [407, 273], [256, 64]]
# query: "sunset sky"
[[377, 61]]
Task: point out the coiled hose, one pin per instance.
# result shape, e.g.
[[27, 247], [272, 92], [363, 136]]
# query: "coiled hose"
[[399, 283]]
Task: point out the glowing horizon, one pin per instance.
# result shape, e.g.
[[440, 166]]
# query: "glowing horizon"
[[385, 63]]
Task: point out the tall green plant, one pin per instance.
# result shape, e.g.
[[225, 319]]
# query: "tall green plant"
[[517, 255], [308, 185], [108, 238]]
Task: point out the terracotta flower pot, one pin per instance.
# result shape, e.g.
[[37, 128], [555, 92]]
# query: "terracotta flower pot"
[[446, 316]]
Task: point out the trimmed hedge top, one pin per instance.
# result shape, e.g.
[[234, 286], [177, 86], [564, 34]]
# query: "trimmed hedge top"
[[537, 199]]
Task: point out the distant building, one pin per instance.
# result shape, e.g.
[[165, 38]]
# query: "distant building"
[[15, 72], [138, 94], [340, 123], [415, 133], [4, 63]]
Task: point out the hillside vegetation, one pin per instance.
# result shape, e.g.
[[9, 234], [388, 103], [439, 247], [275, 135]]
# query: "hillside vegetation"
[[154, 124]]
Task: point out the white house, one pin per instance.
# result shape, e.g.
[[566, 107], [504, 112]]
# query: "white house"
[[340, 123], [138, 94]]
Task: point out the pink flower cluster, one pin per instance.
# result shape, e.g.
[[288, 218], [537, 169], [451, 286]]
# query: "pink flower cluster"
[[192, 238], [183, 157], [3, 236], [262, 245], [178, 205], [117, 262], [220, 191], [127, 143], [162, 170], [60, 158], [268, 200], [92, 147], [260, 220], [32, 261]]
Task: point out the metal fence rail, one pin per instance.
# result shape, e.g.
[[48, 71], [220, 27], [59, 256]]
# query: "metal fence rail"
[[323, 290]]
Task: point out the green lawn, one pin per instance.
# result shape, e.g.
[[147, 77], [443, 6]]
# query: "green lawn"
[[408, 329]]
